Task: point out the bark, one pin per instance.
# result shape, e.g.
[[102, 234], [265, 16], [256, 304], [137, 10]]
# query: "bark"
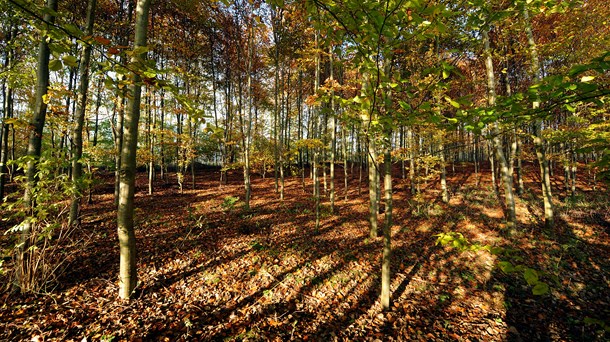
[[35, 140], [7, 107], [444, 190], [410, 147], [120, 106], [151, 141], [345, 175], [387, 228], [316, 187], [373, 188], [125, 213], [276, 17], [507, 178], [8, 99], [333, 138], [77, 137], [247, 134], [545, 176]]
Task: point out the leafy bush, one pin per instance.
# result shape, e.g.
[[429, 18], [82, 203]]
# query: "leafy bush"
[[229, 203], [42, 241]]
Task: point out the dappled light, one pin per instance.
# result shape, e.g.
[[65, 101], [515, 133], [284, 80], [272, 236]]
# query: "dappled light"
[[317, 170]]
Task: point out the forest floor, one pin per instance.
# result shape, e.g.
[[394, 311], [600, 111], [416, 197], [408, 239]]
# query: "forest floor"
[[210, 270]]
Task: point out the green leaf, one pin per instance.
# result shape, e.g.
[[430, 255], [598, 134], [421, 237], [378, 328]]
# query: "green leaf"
[[70, 61], [496, 250], [506, 266], [540, 289], [138, 51], [150, 74], [55, 65], [443, 239], [531, 276], [453, 103]]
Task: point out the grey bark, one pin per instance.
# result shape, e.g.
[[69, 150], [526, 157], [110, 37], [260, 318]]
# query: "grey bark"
[[545, 175], [387, 228], [35, 138], [507, 178], [77, 136], [125, 214]]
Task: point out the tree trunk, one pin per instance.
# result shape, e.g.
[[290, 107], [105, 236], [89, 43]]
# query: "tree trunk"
[[444, 190], [247, 135], [373, 187], [333, 137], [387, 228], [545, 176], [35, 140], [151, 141], [345, 175], [411, 149], [120, 108], [77, 137], [507, 177], [316, 188], [7, 107], [125, 213]]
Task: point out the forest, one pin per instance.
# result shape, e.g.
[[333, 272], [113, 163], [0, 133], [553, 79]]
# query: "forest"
[[328, 170]]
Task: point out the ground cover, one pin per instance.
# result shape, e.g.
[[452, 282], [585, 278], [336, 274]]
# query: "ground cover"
[[208, 270]]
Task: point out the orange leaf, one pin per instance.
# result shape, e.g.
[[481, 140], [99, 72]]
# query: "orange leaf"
[[101, 40]]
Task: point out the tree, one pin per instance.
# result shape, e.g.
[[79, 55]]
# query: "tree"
[[507, 178], [77, 136], [34, 149], [125, 213], [539, 145], [7, 103]]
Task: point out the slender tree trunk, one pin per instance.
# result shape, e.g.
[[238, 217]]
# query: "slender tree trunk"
[[282, 129], [276, 17], [193, 137], [120, 106], [545, 173], [373, 187], [492, 167], [333, 136], [35, 144], [574, 162], [507, 177], [7, 106], [444, 190], [151, 141], [345, 174], [411, 148], [316, 188], [119, 113], [162, 164], [125, 214], [520, 186], [247, 135], [387, 228], [77, 137], [8, 99]]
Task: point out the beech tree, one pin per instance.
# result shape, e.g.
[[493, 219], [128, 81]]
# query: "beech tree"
[[84, 70], [125, 215], [34, 149]]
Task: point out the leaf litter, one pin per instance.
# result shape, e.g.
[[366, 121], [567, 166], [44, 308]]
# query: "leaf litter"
[[210, 272]]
